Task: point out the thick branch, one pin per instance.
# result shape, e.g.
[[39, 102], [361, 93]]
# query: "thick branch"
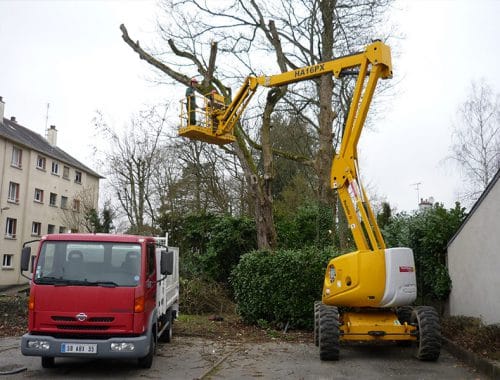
[[151, 60]]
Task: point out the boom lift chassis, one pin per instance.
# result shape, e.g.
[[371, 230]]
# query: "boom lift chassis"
[[375, 284]]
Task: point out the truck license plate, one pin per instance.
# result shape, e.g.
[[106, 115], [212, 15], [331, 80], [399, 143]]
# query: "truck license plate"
[[78, 348]]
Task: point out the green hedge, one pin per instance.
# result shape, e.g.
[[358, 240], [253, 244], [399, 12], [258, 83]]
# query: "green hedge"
[[280, 287]]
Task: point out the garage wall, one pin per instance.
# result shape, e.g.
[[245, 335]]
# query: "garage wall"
[[474, 260]]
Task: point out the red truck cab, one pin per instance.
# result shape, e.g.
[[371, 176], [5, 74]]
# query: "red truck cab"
[[98, 295]]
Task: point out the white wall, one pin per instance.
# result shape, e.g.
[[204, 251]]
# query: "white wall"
[[27, 211], [474, 262]]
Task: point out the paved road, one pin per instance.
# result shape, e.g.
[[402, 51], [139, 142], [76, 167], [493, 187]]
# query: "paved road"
[[195, 358]]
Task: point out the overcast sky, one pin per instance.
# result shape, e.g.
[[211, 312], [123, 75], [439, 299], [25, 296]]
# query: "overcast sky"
[[70, 54]]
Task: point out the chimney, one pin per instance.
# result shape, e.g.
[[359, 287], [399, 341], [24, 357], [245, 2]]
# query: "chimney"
[[13, 118], [52, 135], [2, 109]]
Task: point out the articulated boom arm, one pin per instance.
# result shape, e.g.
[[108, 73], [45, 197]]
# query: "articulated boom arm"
[[370, 65], [344, 171], [377, 54]]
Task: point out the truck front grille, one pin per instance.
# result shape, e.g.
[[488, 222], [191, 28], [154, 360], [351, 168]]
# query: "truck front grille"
[[61, 318], [101, 319], [82, 327]]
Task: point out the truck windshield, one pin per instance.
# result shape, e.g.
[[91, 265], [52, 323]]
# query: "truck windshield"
[[88, 264]]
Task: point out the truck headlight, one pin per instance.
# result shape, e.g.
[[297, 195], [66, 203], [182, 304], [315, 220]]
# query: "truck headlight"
[[39, 344], [122, 347]]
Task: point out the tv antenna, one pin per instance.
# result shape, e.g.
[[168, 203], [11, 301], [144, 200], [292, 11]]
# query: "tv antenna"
[[417, 187], [47, 119]]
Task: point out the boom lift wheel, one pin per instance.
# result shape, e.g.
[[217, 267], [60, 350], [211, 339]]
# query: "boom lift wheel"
[[317, 304], [329, 332], [426, 319]]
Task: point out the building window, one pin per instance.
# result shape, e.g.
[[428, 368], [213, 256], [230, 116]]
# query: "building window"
[[78, 177], [55, 167], [10, 228], [62, 230], [64, 202], [39, 195], [13, 195], [17, 157], [76, 205], [51, 229], [7, 261], [41, 162], [36, 228], [53, 199], [66, 172]]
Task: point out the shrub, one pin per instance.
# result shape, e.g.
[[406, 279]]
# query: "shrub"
[[310, 225], [200, 296], [280, 287], [211, 245]]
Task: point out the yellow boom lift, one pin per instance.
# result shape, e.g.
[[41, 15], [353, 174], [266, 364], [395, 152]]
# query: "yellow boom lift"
[[374, 285]]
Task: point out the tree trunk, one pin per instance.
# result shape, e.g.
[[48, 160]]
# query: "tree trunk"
[[324, 158]]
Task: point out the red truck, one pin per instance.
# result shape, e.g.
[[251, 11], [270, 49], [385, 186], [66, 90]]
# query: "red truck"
[[100, 296]]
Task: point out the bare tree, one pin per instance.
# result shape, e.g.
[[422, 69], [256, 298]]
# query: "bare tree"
[[476, 140], [75, 215], [294, 33], [131, 164]]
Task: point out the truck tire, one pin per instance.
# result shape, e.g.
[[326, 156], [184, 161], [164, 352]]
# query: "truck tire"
[[329, 332], [166, 337], [48, 362], [426, 319], [317, 304], [147, 361]]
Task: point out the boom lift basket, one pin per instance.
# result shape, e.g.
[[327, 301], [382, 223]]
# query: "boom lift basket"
[[206, 126]]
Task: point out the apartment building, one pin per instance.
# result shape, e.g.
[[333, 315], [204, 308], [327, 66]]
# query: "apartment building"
[[42, 189]]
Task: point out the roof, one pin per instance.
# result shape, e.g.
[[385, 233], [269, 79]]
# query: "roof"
[[476, 205], [12, 131]]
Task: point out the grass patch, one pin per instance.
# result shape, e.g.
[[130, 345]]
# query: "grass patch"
[[231, 327]]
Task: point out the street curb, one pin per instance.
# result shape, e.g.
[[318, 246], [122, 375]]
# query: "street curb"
[[485, 366]]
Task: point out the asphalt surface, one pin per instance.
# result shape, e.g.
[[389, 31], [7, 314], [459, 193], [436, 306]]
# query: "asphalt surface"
[[196, 358]]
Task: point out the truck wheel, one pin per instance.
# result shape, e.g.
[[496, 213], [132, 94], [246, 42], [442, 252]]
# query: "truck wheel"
[[426, 319], [166, 337], [147, 361], [316, 322], [48, 362], [404, 315], [329, 332]]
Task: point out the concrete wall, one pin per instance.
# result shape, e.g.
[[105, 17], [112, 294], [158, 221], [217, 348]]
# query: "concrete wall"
[[474, 262], [27, 210]]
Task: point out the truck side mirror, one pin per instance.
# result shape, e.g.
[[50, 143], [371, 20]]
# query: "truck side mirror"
[[25, 259], [167, 262]]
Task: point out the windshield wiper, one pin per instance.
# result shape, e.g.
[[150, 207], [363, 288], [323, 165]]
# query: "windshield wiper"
[[107, 284], [50, 280]]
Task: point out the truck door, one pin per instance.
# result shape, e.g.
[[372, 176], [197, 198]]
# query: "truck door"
[[150, 289]]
